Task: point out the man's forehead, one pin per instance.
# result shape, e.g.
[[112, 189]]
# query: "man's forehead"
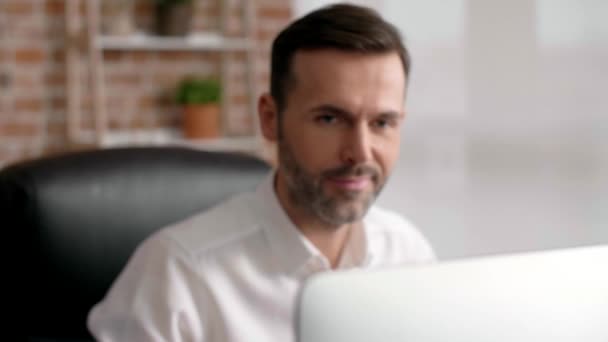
[[324, 64], [344, 84], [330, 67]]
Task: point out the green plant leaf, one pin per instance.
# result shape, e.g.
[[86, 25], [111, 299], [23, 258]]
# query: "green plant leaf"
[[198, 91]]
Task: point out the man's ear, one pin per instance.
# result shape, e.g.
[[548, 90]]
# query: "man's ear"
[[268, 115]]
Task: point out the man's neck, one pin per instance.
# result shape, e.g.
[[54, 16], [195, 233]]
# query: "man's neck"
[[329, 240]]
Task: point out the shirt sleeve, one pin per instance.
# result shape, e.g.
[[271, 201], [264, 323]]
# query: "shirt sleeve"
[[418, 248], [423, 250], [159, 296]]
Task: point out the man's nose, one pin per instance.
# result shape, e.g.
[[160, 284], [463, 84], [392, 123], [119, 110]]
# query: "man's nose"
[[357, 145]]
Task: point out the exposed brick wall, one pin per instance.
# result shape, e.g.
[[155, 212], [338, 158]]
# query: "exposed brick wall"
[[139, 84]]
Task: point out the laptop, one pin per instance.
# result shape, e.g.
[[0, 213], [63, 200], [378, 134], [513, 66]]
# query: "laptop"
[[550, 296]]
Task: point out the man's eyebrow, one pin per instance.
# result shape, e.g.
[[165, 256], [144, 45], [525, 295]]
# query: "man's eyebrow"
[[331, 109], [327, 108]]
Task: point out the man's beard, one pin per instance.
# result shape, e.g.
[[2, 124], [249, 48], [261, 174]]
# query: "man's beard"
[[306, 191]]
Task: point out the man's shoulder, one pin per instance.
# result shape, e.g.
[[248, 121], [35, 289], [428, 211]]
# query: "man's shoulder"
[[389, 221], [388, 230], [228, 222]]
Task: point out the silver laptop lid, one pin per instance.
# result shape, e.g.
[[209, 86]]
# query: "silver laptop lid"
[[554, 296]]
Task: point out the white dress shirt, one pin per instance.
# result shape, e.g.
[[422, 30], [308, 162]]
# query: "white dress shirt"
[[232, 273]]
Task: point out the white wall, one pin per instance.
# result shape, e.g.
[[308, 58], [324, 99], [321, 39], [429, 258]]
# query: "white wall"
[[506, 145]]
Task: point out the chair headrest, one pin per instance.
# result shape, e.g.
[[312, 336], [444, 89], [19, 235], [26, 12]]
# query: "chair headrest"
[[75, 219]]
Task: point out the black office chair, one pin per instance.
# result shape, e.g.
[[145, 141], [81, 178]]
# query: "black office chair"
[[71, 222]]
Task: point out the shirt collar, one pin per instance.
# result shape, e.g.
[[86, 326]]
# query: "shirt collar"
[[291, 248], [294, 252]]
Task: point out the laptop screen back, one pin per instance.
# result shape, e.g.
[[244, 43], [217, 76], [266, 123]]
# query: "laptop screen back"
[[554, 296]]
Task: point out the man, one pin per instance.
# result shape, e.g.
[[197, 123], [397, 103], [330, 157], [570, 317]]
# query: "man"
[[338, 84]]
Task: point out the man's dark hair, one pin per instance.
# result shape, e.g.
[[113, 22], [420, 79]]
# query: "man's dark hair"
[[343, 27]]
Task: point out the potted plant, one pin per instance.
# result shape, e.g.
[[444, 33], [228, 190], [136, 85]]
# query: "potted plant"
[[173, 17], [200, 99]]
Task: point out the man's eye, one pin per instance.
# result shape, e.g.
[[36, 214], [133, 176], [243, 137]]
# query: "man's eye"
[[381, 123], [327, 119], [384, 123]]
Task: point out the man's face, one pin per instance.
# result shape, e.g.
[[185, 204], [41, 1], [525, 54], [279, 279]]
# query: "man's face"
[[339, 133]]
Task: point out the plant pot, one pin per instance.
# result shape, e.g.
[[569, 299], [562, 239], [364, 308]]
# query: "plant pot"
[[201, 121], [174, 19]]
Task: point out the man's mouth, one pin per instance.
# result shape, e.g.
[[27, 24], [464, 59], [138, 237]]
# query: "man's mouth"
[[350, 183]]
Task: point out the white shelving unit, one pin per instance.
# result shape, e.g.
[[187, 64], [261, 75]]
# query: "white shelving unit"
[[96, 43], [193, 42]]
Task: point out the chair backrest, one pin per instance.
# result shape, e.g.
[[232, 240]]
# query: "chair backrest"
[[72, 221]]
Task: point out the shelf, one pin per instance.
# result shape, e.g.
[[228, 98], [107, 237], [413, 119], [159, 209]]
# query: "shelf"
[[193, 42], [102, 134], [166, 137]]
